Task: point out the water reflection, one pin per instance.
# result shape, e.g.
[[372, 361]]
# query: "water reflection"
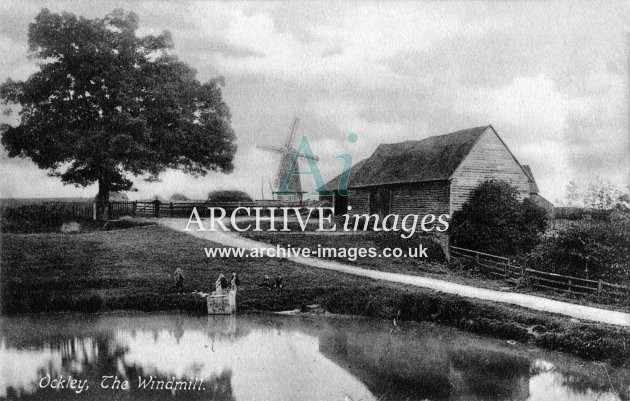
[[281, 358]]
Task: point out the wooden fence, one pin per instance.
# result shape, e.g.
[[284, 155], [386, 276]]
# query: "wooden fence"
[[54, 209], [69, 210], [563, 224], [118, 209], [500, 267]]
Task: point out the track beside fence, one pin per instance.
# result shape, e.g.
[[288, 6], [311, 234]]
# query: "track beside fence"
[[503, 268]]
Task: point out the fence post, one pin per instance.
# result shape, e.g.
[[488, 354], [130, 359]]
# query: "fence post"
[[134, 207], [570, 286], [507, 269], [93, 210], [599, 287], [171, 209], [447, 248]]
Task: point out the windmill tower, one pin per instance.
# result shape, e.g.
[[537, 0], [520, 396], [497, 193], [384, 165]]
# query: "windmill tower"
[[287, 153]]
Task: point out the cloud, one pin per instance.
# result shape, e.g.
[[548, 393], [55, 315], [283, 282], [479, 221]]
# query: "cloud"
[[551, 77], [563, 137]]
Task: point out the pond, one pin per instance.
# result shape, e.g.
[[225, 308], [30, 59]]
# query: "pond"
[[128, 356]]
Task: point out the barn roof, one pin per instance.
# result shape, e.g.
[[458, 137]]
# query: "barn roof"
[[533, 187], [430, 159]]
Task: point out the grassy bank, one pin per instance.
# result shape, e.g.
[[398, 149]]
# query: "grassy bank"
[[132, 269], [434, 266]]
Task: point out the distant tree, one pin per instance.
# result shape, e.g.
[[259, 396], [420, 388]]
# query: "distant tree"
[[493, 220], [107, 103], [598, 194], [603, 195], [177, 197], [228, 196], [118, 196], [572, 194]]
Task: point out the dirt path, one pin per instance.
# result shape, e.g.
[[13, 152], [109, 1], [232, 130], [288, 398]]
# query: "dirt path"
[[524, 300]]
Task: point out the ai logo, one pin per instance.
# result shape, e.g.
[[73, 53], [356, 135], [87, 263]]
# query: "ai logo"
[[304, 148]]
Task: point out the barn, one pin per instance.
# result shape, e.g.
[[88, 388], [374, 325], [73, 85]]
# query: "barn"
[[434, 175]]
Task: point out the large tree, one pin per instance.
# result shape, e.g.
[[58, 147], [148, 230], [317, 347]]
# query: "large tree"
[[107, 104]]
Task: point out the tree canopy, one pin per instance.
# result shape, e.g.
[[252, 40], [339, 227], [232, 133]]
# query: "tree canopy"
[[228, 195], [493, 220], [599, 195], [118, 196], [106, 104], [178, 197]]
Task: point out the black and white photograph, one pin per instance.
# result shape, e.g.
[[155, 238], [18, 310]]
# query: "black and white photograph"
[[315, 201]]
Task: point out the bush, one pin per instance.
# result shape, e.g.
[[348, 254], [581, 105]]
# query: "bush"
[[228, 196], [493, 220], [587, 251], [118, 197], [177, 197]]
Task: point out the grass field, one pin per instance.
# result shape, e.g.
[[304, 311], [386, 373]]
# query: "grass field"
[[132, 269]]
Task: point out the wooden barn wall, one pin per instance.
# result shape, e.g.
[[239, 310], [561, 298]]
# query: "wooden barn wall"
[[360, 201], [421, 198], [488, 160], [416, 198]]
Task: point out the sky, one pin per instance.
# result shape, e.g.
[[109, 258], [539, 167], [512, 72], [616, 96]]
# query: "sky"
[[550, 77]]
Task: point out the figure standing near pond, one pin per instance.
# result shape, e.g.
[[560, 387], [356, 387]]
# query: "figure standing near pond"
[[235, 281], [179, 280], [266, 283], [225, 284], [278, 283], [217, 284], [221, 284], [156, 207]]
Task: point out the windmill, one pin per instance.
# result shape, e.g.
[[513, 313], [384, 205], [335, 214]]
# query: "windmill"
[[287, 152]]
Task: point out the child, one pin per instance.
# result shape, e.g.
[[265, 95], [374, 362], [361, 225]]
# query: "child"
[[179, 280], [235, 281]]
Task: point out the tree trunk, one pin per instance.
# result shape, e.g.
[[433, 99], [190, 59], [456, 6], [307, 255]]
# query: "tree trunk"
[[102, 200]]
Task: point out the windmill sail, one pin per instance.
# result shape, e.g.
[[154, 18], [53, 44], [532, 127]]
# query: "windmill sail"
[[287, 154], [295, 184]]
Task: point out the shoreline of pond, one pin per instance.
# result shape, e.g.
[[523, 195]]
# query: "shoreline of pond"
[[548, 332]]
